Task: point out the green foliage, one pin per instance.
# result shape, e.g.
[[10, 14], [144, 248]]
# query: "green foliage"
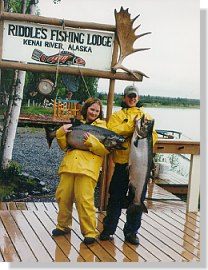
[[36, 110], [156, 101], [87, 88], [6, 80], [169, 101], [10, 174], [16, 6], [15, 184]]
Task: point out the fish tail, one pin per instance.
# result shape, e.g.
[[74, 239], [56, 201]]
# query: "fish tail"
[[144, 208], [49, 136], [135, 209]]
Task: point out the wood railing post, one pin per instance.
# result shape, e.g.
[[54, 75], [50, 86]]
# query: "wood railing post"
[[193, 185], [108, 163]]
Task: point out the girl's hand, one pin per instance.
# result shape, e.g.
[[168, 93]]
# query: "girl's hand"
[[85, 137], [67, 127]]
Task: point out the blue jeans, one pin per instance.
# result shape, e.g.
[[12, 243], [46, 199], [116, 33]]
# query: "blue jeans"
[[118, 189]]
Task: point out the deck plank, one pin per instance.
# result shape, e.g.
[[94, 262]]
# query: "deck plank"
[[161, 219], [190, 253], [108, 246], [40, 206], [178, 253], [96, 248], [162, 205], [136, 254], [151, 249], [127, 253], [186, 247], [11, 206], [180, 226], [49, 244], [167, 253], [162, 241], [32, 239], [84, 251], [17, 238], [3, 206], [31, 206], [21, 206], [8, 251], [66, 246], [49, 206], [195, 215], [168, 233], [189, 218], [155, 191]]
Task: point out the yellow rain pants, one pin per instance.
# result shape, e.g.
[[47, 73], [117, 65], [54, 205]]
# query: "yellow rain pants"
[[81, 190]]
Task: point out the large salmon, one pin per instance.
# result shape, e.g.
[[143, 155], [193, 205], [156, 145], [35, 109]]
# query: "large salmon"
[[75, 137], [140, 161]]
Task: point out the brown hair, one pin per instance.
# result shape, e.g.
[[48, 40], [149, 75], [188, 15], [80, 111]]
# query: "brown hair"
[[88, 103]]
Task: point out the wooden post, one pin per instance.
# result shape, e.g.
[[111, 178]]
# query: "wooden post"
[[112, 82], [194, 183], [108, 164]]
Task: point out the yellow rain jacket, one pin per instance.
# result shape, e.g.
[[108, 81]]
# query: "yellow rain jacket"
[[82, 162], [123, 123]]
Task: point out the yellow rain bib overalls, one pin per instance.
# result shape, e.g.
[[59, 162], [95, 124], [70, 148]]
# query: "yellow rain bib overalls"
[[79, 172]]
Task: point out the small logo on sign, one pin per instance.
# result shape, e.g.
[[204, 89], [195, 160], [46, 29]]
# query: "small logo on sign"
[[63, 58]]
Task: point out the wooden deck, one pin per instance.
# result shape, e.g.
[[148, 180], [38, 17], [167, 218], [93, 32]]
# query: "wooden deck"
[[167, 234], [173, 183]]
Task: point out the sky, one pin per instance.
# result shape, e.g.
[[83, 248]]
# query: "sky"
[[172, 63]]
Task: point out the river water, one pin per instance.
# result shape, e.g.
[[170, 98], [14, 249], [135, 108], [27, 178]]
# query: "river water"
[[183, 120]]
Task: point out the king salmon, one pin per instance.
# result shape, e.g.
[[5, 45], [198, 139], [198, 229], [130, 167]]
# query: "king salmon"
[[140, 161], [75, 137]]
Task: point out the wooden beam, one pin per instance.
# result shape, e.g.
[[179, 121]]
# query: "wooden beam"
[[69, 70], [54, 21], [177, 147]]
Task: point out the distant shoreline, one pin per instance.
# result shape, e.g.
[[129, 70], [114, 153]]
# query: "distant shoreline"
[[160, 106], [171, 106]]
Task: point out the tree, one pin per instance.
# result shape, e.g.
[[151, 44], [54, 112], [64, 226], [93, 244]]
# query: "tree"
[[88, 87], [15, 100]]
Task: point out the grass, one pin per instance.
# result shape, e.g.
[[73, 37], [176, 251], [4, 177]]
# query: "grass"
[[36, 110], [14, 184], [31, 110]]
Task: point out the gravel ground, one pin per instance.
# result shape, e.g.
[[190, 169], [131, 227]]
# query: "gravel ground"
[[32, 152]]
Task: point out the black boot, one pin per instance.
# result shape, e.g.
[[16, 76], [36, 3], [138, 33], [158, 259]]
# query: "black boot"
[[89, 240], [132, 238], [104, 236], [58, 232]]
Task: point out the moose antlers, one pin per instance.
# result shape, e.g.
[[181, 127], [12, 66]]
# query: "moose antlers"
[[126, 38]]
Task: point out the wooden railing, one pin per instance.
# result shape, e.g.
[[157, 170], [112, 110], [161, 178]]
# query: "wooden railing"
[[167, 146], [185, 147]]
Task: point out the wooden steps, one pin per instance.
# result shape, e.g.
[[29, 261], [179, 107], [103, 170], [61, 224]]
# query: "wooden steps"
[[173, 183]]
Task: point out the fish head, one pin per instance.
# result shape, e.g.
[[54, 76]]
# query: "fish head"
[[143, 127], [79, 61], [114, 142]]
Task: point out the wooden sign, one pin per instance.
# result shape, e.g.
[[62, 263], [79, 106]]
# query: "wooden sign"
[[41, 44], [52, 45]]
